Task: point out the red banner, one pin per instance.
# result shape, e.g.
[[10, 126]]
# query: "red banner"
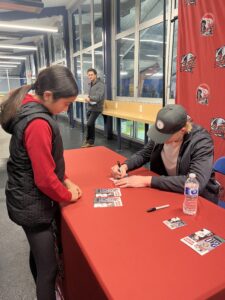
[[201, 66]]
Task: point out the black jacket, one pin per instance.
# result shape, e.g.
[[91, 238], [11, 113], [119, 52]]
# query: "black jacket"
[[195, 156], [96, 94], [27, 205]]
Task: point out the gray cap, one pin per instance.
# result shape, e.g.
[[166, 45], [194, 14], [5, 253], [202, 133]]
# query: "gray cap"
[[170, 119]]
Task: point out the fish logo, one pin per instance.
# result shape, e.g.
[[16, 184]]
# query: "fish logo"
[[188, 62], [202, 94], [190, 2], [218, 127], [207, 25], [220, 57]]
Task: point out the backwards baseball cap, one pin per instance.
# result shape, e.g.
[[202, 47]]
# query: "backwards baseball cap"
[[170, 119]]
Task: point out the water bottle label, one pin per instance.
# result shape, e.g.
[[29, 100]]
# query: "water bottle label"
[[191, 191]]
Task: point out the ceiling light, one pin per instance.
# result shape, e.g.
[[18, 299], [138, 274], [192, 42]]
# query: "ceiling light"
[[151, 55], [143, 40], [8, 37], [157, 75], [123, 73], [151, 41], [20, 47], [98, 52], [10, 62], [128, 39], [13, 57], [30, 6], [26, 27], [8, 66]]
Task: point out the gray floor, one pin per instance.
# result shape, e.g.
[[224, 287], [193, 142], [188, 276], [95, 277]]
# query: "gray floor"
[[16, 282]]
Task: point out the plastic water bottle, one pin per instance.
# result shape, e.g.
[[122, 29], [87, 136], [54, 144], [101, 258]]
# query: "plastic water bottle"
[[191, 189]]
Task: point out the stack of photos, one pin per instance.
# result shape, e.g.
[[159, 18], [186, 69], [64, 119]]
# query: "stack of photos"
[[203, 241], [107, 197]]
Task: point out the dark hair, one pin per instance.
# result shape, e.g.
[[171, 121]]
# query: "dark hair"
[[92, 70], [57, 79]]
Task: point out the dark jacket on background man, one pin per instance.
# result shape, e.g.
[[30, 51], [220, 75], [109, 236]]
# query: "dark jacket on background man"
[[27, 205], [195, 156], [96, 94]]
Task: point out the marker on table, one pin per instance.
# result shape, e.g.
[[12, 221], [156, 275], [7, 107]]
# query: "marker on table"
[[157, 208], [119, 165]]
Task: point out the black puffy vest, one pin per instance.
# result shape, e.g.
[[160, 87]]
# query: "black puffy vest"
[[27, 205]]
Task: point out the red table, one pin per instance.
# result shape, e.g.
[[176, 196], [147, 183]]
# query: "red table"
[[124, 253]]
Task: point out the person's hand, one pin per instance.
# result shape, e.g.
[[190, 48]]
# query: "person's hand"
[[87, 99], [119, 172], [74, 189], [134, 181], [76, 193]]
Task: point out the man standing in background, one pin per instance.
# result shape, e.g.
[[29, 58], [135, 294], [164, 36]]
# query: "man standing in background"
[[95, 102]]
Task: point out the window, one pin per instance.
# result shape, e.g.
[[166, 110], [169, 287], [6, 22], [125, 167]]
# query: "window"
[[174, 58], [97, 21], [150, 62], [98, 53], [150, 9], [77, 71], [32, 65], [76, 32], [41, 54], [127, 127], [4, 83], [125, 66], [52, 49], [100, 121], [125, 14], [86, 23], [58, 44], [140, 131], [30, 69], [87, 63]]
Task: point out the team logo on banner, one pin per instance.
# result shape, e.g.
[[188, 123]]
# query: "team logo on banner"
[[218, 127], [207, 25], [187, 62], [220, 57], [190, 2], [202, 94]]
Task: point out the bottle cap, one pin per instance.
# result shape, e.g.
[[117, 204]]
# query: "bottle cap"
[[192, 175]]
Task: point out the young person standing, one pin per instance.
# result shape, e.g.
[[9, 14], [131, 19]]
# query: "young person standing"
[[36, 171], [95, 102]]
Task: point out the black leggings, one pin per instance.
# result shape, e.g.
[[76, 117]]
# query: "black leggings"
[[43, 263], [91, 118]]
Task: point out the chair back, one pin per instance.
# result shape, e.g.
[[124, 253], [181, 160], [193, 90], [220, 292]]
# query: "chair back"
[[219, 165]]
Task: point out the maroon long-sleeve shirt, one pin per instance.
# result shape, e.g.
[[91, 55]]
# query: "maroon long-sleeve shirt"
[[38, 143]]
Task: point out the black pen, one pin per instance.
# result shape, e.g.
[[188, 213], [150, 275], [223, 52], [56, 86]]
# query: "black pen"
[[157, 207], [119, 165]]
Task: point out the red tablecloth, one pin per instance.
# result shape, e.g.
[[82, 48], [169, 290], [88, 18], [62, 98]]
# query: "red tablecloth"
[[124, 253]]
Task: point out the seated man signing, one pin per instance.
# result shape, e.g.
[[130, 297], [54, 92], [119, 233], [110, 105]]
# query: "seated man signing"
[[176, 148]]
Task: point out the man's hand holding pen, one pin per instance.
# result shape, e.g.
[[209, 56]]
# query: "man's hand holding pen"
[[119, 171]]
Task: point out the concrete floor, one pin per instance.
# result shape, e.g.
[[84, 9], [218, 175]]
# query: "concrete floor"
[[16, 282]]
